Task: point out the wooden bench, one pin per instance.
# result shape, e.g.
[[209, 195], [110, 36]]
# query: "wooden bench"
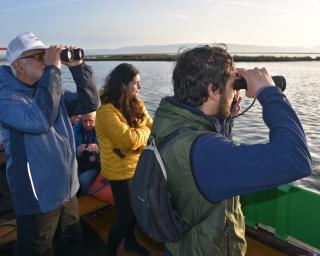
[[87, 204]]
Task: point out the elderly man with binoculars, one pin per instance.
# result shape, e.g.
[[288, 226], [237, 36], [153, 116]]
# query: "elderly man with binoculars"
[[39, 143]]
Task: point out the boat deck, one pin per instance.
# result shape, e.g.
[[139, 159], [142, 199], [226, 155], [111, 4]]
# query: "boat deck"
[[97, 220], [100, 219]]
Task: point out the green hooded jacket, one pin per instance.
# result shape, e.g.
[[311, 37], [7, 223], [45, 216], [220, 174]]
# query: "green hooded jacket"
[[223, 232]]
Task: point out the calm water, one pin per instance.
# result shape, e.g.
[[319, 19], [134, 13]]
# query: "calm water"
[[303, 79]]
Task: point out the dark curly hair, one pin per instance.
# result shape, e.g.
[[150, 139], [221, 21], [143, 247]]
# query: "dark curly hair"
[[196, 68], [114, 92]]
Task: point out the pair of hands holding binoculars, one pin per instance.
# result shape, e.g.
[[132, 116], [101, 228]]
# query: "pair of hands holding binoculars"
[[58, 54]]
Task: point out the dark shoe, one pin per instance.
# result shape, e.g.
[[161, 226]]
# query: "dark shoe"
[[136, 248]]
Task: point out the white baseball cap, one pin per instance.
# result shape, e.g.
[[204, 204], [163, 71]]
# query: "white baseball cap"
[[23, 42]]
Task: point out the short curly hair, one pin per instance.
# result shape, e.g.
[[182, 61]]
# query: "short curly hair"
[[196, 68]]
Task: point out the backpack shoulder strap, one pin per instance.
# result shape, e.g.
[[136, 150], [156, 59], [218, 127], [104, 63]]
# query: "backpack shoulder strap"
[[164, 143], [162, 146], [172, 137]]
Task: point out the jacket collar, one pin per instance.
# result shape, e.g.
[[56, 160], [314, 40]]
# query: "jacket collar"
[[7, 78], [217, 123]]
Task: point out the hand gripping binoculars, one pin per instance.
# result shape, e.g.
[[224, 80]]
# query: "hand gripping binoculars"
[[279, 81], [69, 54]]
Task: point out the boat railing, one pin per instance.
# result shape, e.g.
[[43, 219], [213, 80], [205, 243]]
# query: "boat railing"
[[290, 212]]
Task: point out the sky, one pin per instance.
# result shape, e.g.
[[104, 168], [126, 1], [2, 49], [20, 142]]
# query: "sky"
[[108, 24]]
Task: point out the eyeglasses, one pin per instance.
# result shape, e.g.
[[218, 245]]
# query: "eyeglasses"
[[38, 56]]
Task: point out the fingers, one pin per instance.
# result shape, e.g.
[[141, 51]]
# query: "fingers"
[[80, 149], [72, 63], [241, 72], [264, 70], [52, 55], [247, 72], [256, 79], [93, 147]]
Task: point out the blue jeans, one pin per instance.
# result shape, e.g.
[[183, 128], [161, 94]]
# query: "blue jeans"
[[86, 178]]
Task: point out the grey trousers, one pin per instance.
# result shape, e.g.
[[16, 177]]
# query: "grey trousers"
[[57, 232]]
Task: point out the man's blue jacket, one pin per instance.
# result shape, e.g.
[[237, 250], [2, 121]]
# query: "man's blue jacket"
[[223, 169], [38, 136]]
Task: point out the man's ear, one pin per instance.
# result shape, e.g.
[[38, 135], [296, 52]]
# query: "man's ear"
[[18, 67], [213, 94]]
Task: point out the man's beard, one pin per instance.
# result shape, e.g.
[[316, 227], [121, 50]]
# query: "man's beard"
[[223, 108]]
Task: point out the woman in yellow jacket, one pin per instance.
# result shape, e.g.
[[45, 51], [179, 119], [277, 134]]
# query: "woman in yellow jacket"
[[122, 126]]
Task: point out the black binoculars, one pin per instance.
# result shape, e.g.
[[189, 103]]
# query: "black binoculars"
[[69, 54], [279, 81]]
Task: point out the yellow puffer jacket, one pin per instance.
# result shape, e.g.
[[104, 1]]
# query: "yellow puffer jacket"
[[113, 132]]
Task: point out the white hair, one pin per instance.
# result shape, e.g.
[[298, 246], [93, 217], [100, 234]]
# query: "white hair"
[[14, 71]]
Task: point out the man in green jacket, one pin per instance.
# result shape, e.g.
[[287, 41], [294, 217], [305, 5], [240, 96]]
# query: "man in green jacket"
[[205, 167]]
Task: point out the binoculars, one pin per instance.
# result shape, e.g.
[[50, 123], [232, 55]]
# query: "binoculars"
[[279, 81], [69, 54]]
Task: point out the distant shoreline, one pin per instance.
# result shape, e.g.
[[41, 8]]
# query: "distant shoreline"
[[172, 57]]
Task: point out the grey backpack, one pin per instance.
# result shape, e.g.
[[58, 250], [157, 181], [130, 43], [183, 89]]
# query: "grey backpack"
[[150, 198]]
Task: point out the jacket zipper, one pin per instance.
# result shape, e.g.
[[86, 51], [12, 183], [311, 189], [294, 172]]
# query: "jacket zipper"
[[31, 181]]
